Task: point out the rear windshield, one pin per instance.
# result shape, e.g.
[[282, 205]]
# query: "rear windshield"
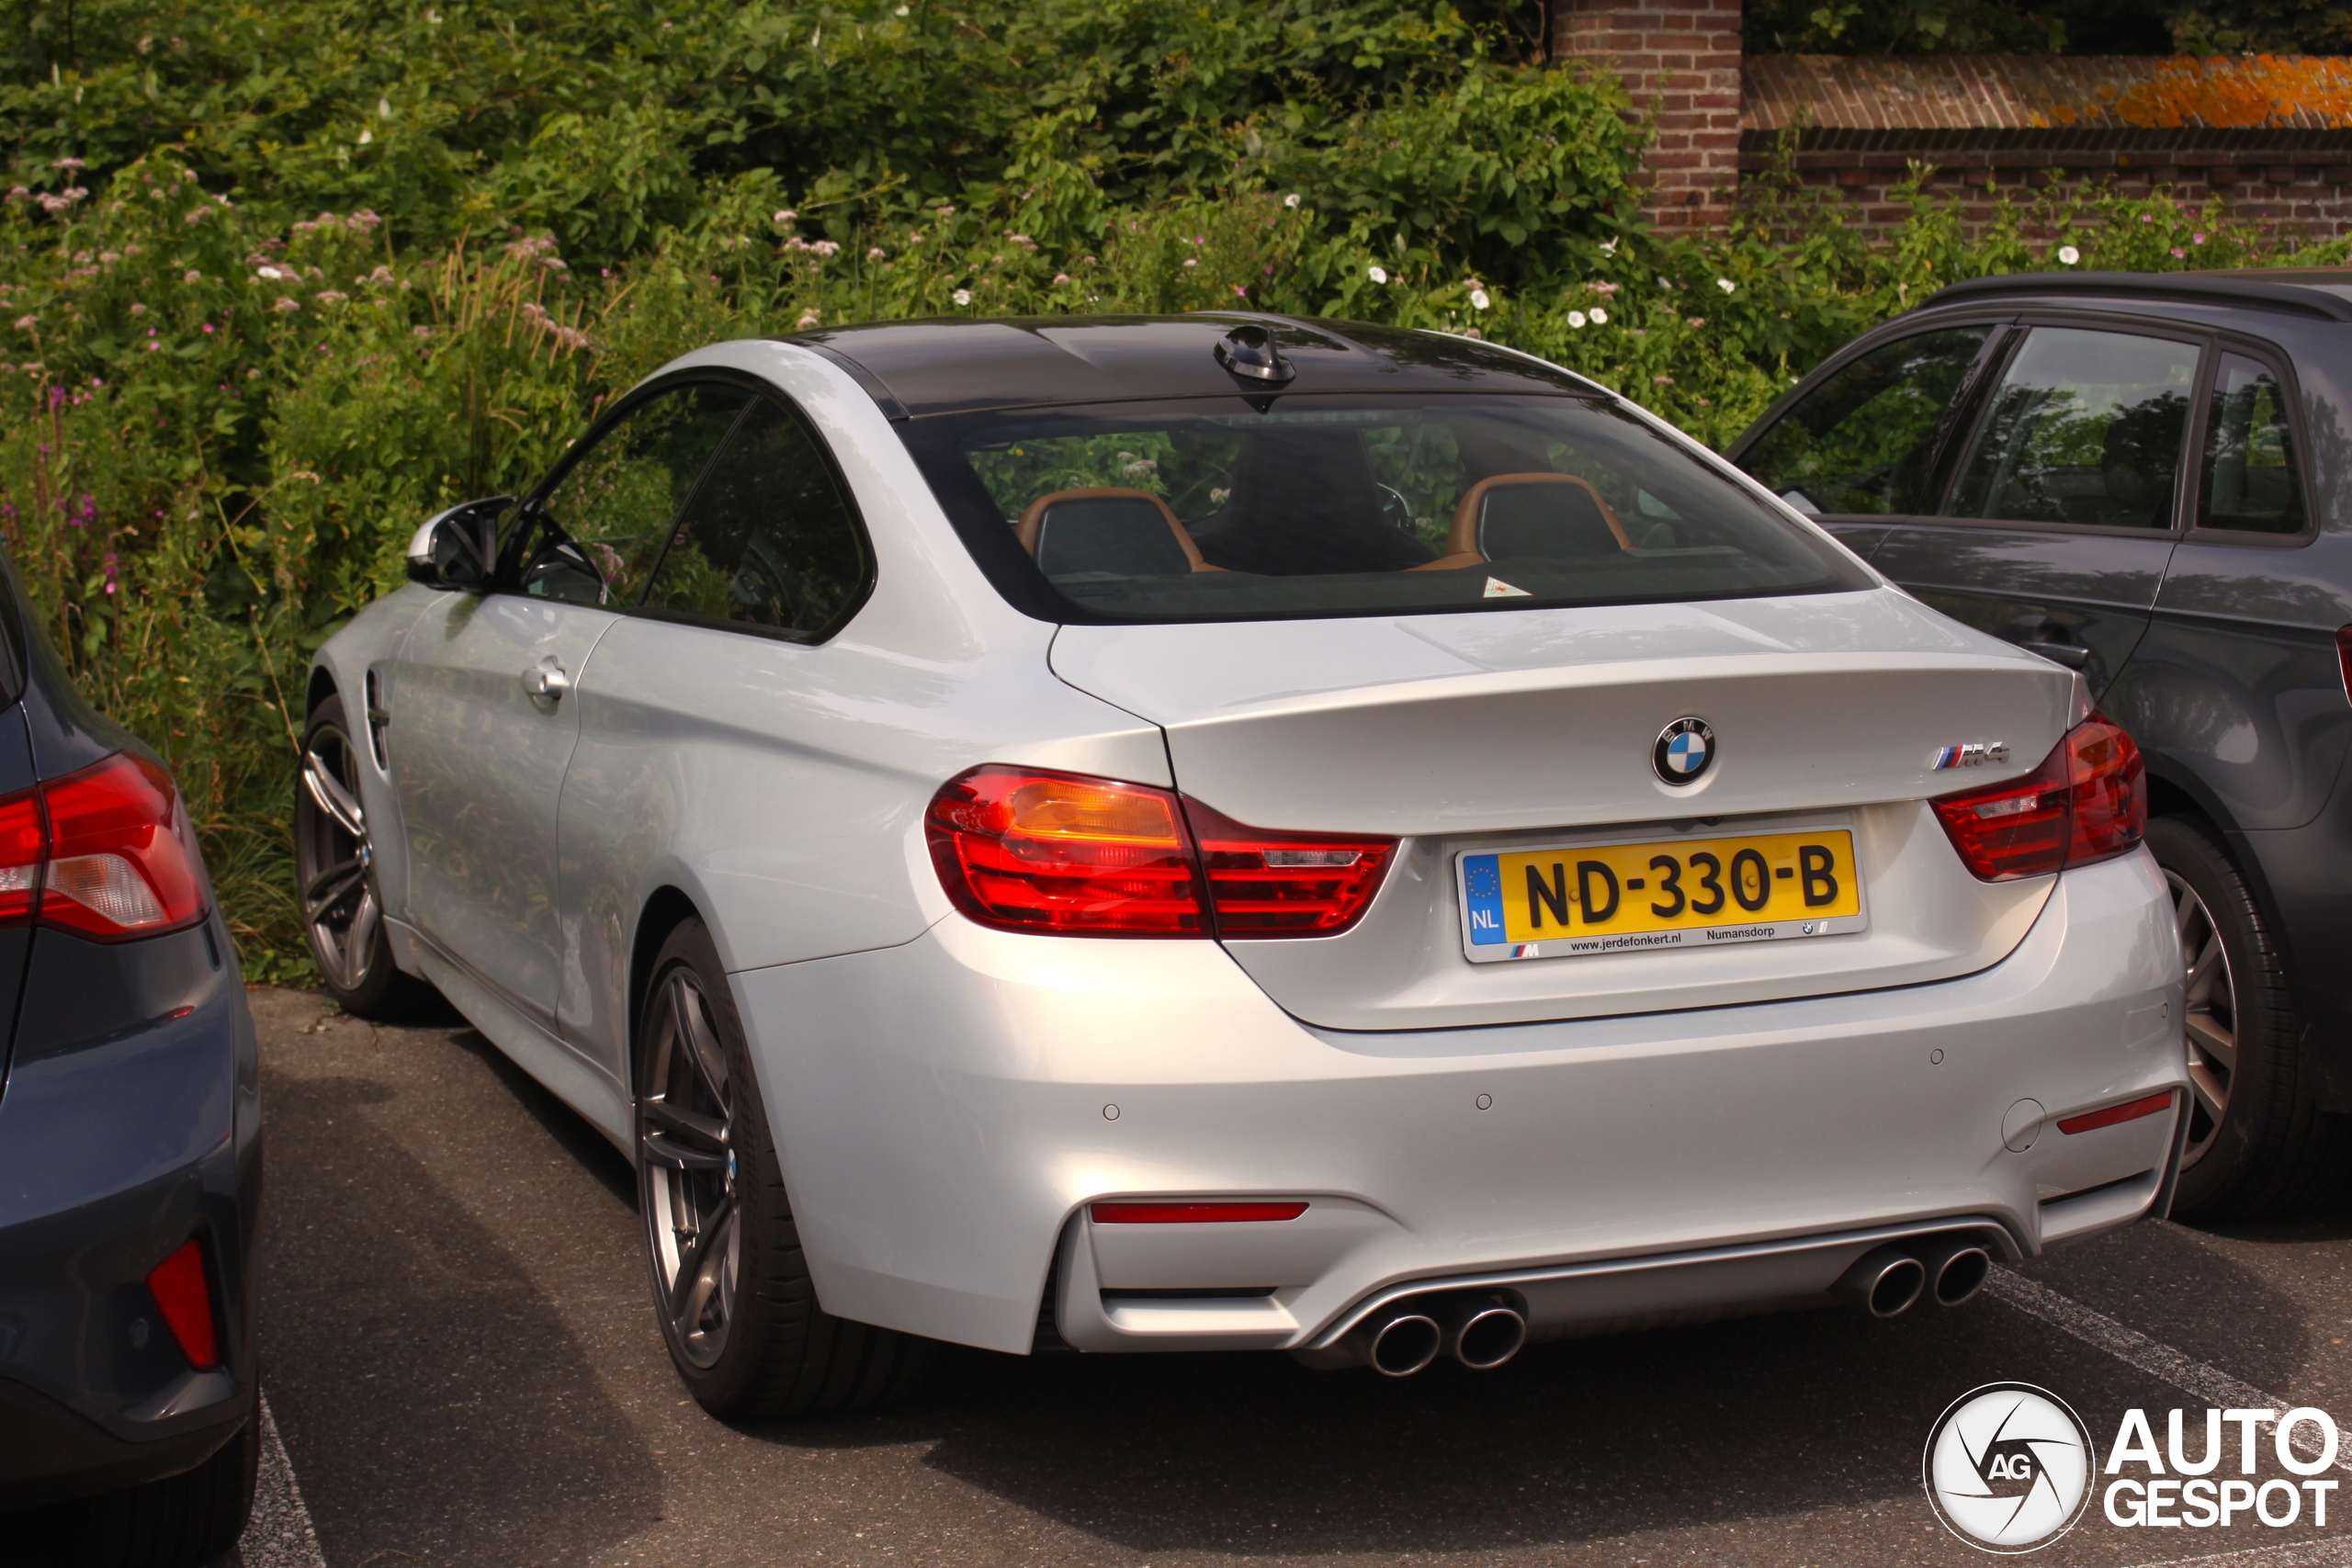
[[1214, 509]]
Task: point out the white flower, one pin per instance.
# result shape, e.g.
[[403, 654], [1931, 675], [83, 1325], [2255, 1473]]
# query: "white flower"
[[2068, 256], [1576, 317], [899, 12], [826, 247], [1291, 200], [1726, 283], [962, 296], [269, 271], [874, 254], [1608, 247], [1478, 300], [1191, 261], [807, 319], [1061, 279], [1599, 317], [1377, 274], [366, 137], [786, 216]]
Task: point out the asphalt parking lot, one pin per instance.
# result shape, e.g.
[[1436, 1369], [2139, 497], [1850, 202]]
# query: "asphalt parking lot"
[[463, 1368]]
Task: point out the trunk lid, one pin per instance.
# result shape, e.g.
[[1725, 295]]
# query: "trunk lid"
[[1518, 729]]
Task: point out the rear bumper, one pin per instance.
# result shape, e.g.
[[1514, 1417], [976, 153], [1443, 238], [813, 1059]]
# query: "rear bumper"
[[949, 1109], [124, 1132]]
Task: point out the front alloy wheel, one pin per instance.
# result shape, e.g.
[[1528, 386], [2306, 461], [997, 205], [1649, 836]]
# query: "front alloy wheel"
[[333, 856], [335, 860], [686, 1147]]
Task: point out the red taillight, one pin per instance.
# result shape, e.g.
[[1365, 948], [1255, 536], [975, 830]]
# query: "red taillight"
[[2130, 1111], [24, 843], [119, 861], [2344, 658], [104, 852], [1192, 1213], [2088, 801], [1285, 884], [1024, 850], [1027, 851], [183, 1294]]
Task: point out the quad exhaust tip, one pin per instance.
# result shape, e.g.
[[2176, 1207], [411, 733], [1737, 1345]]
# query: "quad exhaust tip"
[[1890, 1280], [1481, 1331], [1484, 1330], [1402, 1340], [1956, 1271]]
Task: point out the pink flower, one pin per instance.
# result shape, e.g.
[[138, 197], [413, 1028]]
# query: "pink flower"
[[2147, 217], [207, 329], [2197, 238], [2179, 254], [1240, 292]]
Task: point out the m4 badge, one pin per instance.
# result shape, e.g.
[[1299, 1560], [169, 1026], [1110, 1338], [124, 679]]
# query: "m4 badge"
[[1972, 754]]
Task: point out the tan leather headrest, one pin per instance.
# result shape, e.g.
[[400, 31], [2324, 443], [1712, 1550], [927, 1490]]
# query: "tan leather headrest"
[[1033, 517], [1462, 542]]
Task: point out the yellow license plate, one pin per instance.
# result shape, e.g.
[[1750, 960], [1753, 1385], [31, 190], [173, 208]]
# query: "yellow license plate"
[[1576, 900]]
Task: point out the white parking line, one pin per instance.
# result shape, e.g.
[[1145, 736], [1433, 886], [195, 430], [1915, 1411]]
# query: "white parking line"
[[279, 1534], [2212, 1384], [2300, 1554]]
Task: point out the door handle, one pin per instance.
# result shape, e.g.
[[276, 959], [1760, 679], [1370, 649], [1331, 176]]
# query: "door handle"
[[546, 682], [2073, 655]]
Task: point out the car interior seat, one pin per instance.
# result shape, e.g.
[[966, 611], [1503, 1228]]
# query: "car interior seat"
[[1550, 516], [1108, 531]]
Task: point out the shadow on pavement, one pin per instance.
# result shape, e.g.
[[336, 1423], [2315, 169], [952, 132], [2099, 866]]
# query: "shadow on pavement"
[[435, 1406]]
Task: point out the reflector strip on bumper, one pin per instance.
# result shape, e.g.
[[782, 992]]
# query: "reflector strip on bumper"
[[2130, 1111], [1191, 1213]]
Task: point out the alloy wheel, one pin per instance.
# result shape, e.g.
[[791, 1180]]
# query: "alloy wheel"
[[686, 1140], [333, 855], [2210, 1001]]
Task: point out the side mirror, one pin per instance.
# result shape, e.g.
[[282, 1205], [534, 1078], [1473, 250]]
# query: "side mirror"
[[457, 550]]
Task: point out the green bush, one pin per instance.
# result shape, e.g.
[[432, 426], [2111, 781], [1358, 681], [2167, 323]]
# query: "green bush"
[[275, 283]]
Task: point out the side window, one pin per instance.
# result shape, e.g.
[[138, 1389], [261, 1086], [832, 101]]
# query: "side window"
[[769, 539], [1862, 441], [2085, 427], [2249, 483], [601, 529]]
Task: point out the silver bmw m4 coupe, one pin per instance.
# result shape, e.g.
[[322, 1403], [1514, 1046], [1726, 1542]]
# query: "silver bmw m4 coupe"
[[1237, 833]]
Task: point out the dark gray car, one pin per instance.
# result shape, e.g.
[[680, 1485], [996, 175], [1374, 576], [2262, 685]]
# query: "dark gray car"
[[2145, 478], [130, 1148]]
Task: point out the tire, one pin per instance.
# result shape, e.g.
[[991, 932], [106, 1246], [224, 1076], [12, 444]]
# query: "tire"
[[2259, 1143], [181, 1522], [738, 1311], [342, 906]]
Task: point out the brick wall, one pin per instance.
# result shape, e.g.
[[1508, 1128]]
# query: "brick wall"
[[2270, 138], [1681, 60]]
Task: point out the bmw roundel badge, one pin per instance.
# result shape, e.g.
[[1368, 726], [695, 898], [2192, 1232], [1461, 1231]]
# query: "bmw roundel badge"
[[1684, 749]]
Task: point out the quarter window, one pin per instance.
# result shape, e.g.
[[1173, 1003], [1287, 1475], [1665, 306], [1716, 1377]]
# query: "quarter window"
[[2248, 483], [603, 525], [768, 539], [1862, 442], [2085, 427]]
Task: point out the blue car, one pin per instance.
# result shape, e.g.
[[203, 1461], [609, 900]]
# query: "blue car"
[[130, 1146]]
